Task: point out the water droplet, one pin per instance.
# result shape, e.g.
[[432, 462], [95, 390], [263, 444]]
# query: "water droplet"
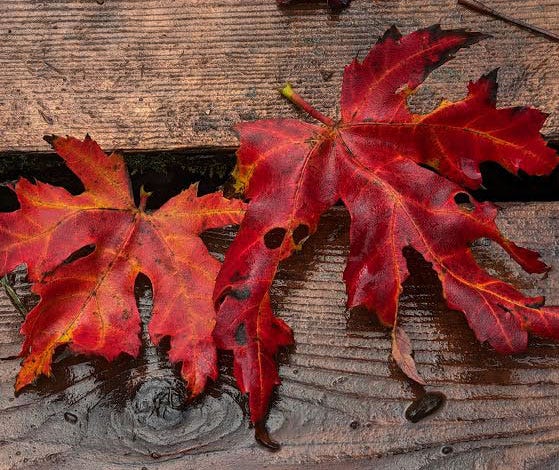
[[155, 455], [424, 406], [70, 417]]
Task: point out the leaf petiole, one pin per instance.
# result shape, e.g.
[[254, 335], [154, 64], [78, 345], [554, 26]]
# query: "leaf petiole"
[[288, 92]]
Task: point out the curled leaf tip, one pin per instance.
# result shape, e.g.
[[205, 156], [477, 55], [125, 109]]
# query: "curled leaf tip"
[[262, 436], [50, 138]]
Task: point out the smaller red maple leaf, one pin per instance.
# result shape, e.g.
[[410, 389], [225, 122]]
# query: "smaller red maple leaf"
[[89, 303]]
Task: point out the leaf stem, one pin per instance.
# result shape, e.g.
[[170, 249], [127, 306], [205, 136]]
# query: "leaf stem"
[[297, 100], [143, 198]]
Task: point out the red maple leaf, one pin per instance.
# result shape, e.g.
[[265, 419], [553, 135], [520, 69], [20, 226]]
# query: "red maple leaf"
[[373, 159], [89, 302]]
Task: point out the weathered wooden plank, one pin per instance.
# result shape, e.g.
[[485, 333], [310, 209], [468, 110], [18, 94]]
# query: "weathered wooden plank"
[[162, 75], [342, 401]]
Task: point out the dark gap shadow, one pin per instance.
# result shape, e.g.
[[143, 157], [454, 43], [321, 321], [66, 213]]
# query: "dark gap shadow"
[[166, 173]]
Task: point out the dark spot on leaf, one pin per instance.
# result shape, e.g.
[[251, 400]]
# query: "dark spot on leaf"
[[436, 33], [491, 77], [391, 33], [300, 233], [519, 110], [50, 138], [240, 294], [241, 334], [503, 307], [274, 238], [237, 276]]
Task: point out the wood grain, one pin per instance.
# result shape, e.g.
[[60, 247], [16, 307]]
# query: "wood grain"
[[342, 401], [181, 73]]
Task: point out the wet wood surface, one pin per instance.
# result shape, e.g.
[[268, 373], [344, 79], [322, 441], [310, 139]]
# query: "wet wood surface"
[[342, 402], [181, 73], [155, 75]]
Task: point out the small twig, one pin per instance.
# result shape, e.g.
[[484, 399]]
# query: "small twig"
[[481, 8], [14, 298]]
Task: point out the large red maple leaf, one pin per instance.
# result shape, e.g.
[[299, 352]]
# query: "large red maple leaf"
[[373, 159], [89, 302]]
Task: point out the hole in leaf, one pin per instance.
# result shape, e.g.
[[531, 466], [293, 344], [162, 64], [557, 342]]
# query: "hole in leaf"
[[274, 238], [240, 294], [461, 198], [81, 253], [300, 233], [464, 200], [537, 303], [237, 276]]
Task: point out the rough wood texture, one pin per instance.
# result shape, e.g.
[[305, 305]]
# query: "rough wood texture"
[[342, 401], [180, 73]]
